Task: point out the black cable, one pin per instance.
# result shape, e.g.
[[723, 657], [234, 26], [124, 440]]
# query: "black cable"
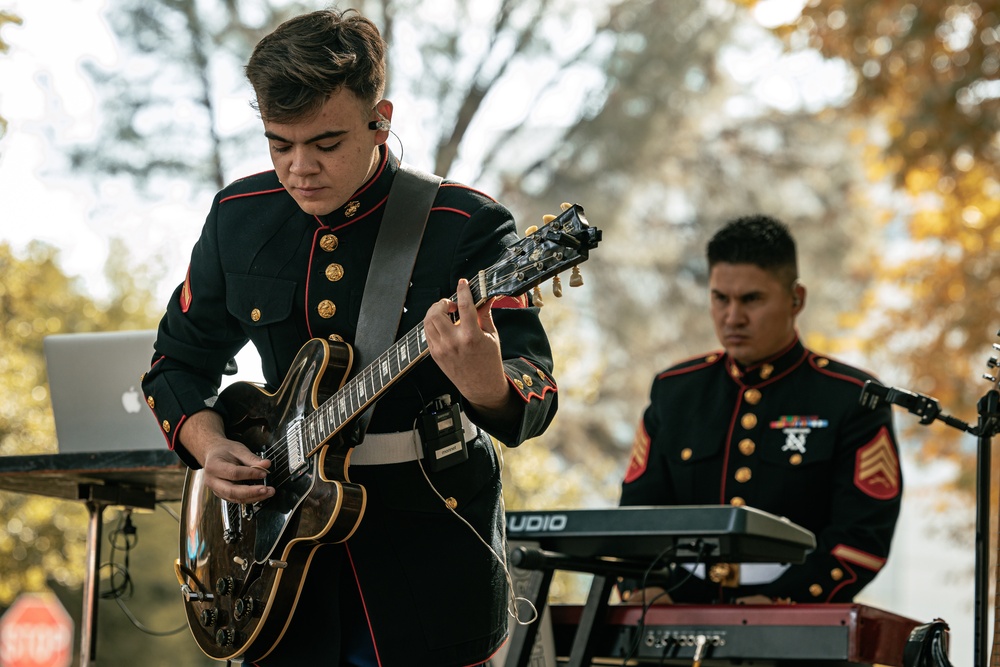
[[123, 539], [702, 549]]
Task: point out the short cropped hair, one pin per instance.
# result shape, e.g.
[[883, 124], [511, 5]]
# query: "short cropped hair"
[[759, 240], [296, 68]]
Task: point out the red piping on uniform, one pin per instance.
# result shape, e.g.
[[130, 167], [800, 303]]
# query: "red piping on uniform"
[[845, 581], [171, 442], [312, 251], [452, 210], [364, 606], [848, 378], [252, 194], [527, 397], [688, 369], [729, 440], [466, 187]]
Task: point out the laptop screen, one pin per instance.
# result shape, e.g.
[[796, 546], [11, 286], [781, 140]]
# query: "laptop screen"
[[94, 383]]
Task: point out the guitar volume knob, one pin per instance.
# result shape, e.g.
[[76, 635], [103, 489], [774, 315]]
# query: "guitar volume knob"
[[224, 585], [209, 617], [224, 637], [244, 607]]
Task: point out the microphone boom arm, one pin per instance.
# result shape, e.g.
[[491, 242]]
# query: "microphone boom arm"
[[874, 394]]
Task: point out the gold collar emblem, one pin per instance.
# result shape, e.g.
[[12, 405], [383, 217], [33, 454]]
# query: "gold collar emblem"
[[351, 208]]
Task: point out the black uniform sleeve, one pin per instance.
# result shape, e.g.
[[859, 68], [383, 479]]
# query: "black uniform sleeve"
[[197, 338], [524, 347]]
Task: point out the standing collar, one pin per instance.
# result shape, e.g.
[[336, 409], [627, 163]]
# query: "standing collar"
[[369, 197], [769, 369]]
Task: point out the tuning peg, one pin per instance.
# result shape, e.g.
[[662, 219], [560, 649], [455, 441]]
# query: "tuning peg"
[[531, 230], [575, 279], [996, 346], [536, 297], [993, 362], [547, 218], [566, 206], [987, 376], [556, 287]]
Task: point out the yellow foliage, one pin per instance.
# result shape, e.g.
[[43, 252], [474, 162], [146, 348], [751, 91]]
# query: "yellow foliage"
[[44, 539]]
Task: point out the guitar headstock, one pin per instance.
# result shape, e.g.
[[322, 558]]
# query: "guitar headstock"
[[563, 242]]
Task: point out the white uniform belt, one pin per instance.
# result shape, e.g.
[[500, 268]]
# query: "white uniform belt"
[[401, 447], [751, 574]]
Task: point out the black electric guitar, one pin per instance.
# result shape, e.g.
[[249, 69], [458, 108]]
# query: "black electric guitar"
[[242, 566]]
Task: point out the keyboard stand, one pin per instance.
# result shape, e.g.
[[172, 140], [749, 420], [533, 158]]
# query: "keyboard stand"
[[605, 571]]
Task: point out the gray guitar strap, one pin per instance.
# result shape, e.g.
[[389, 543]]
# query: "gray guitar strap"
[[406, 211]]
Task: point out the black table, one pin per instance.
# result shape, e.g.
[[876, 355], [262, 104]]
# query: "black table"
[[133, 479]]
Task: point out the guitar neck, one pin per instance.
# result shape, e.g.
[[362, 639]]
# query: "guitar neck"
[[364, 388]]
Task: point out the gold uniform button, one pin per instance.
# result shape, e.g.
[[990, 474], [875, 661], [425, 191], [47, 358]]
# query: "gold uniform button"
[[541, 375], [451, 503], [815, 590], [743, 475], [526, 379], [334, 272], [329, 242], [752, 396], [836, 574], [255, 314], [150, 402], [166, 426], [711, 358], [822, 363], [518, 384], [326, 309], [747, 446], [748, 421], [795, 459], [686, 453], [736, 501], [766, 371]]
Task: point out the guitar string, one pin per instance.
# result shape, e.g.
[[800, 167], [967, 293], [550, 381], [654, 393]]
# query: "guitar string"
[[278, 450]]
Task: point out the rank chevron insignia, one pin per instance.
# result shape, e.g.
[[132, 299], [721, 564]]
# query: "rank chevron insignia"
[[876, 471]]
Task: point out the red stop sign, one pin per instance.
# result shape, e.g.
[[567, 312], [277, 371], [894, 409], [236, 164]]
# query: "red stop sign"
[[36, 632]]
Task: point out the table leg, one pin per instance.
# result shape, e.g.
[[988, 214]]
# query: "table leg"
[[91, 584]]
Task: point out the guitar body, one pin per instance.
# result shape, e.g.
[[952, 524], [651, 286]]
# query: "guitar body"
[[244, 565]]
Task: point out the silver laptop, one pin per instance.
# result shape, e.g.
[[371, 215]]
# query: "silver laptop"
[[96, 394]]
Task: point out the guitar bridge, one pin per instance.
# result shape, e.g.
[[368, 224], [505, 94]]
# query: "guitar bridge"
[[231, 526]]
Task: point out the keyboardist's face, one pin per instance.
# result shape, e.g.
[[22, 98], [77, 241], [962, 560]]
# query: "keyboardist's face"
[[753, 310]]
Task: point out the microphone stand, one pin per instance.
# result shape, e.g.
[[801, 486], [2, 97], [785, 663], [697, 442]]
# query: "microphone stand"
[[927, 408]]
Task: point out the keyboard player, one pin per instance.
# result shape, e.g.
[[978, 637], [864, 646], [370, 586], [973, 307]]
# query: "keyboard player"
[[770, 424]]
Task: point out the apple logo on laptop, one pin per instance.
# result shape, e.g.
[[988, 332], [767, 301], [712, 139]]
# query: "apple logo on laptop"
[[130, 401]]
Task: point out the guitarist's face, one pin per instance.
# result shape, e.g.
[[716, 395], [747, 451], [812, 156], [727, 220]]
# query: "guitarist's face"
[[324, 159], [753, 310]]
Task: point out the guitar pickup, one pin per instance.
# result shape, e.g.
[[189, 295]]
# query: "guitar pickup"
[[293, 440]]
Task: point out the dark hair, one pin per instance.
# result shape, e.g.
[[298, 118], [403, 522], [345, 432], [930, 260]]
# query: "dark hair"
[[755, 239], [295, 69]]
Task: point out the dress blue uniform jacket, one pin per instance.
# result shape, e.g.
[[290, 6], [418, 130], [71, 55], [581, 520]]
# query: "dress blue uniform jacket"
[[266, 272], [787, 436]]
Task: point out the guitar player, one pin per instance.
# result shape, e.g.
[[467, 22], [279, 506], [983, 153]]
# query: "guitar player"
[[283, 259], [772, 425]]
